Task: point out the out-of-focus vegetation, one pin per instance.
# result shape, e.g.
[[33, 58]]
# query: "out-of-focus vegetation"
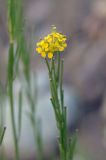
[[84, 23]]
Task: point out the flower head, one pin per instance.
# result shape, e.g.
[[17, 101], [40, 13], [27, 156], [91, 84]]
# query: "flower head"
[[51, 44]]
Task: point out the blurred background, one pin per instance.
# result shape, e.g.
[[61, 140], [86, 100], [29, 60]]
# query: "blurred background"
[[84, 23]]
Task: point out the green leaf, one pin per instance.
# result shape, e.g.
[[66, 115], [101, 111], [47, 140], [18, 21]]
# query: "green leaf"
[[71, 148], [2, 135]]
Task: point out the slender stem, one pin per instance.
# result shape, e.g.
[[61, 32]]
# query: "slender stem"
[[57, 100], [58, 67], [48, 66], [39, 140], [20, 114], [33, 120], [11, 5], [2, 135], [11, 98], [61, 82], [13, 121]]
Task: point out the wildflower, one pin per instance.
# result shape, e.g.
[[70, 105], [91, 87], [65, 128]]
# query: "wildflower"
[[53, 43], [50, 55]]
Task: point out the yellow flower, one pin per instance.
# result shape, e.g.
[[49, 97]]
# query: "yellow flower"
[[49, 39], [51, 44], [50, 55], [39, 50], [65, 45], [46, 45], [46, 49], [43, 54], [38, 44], [61, 49]]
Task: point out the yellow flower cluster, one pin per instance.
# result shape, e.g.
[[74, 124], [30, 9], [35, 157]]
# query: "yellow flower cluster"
[[52, 43]]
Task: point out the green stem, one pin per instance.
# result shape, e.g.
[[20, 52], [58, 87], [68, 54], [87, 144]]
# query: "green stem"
[[2, 135], [11, 98], [39, 140], [33, 120], [13, 121], [58, 67], [57, 100], [37, 137], [61, 87]]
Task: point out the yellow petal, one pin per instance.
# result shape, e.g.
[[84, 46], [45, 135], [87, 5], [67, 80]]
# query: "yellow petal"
[[39, 50], [43, 54], [49, 40], [46, 45], [46, 49], [64, 45], [61, 49], [42, 42], [38, 44], [50, 55]]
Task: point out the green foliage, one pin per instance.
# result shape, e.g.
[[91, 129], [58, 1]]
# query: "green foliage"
[[2, 132], [55, 71], [19, 52]]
